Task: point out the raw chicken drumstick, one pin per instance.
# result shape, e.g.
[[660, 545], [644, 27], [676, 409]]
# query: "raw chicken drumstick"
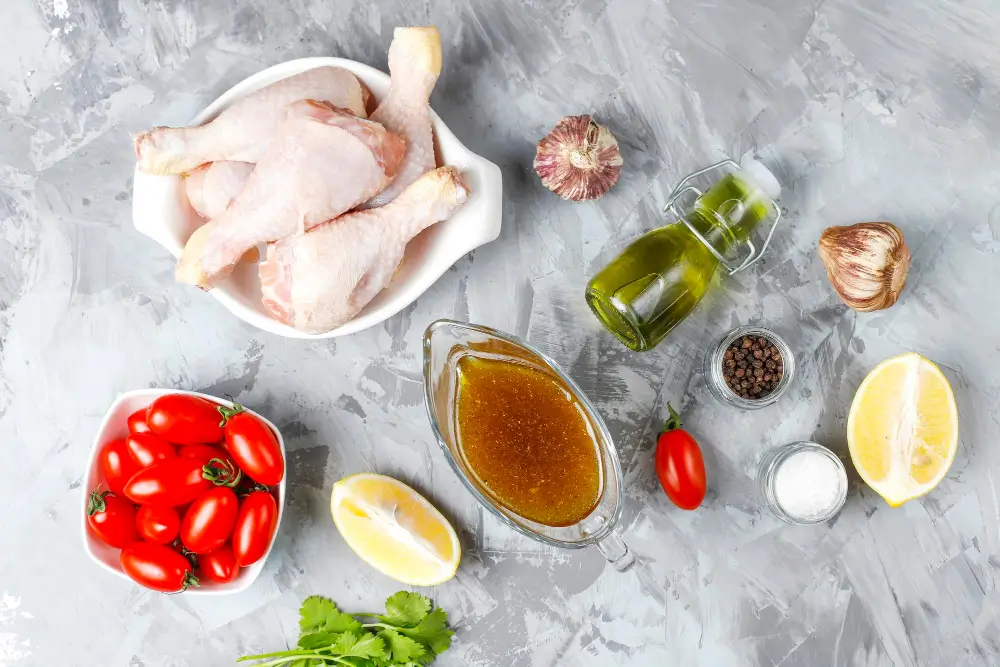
[[414, 66], [323, 162], [212, 187], [243, 131], [415, 62], [317, 281]]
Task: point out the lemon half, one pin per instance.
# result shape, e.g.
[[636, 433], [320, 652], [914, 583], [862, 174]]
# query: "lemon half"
[[395, 529], [903, 428]]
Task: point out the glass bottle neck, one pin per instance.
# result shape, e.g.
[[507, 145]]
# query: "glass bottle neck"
[[728, 212]]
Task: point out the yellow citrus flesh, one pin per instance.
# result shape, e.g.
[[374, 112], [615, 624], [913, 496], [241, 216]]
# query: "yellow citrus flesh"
[[395, 529], [903, 428]]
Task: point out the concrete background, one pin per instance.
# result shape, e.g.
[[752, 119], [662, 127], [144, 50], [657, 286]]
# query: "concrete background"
[[885, 109]]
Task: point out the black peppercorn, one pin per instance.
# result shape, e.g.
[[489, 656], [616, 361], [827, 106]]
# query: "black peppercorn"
[[752, 367]]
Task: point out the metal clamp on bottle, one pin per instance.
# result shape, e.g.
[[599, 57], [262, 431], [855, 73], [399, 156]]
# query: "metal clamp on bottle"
[[764, 185]]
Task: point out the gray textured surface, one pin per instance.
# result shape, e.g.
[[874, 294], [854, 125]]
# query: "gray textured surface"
[[869, 110]]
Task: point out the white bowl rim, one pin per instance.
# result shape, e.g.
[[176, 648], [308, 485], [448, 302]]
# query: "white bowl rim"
[[248, 575], [405, 295]]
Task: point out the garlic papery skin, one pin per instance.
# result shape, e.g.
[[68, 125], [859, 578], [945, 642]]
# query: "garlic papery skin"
[[866, 263], [579, 159]]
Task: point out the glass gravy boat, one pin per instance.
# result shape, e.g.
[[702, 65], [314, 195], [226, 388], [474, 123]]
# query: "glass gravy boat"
[[445, 343]]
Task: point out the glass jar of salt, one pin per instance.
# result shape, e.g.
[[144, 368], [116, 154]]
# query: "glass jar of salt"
[[802, 483]]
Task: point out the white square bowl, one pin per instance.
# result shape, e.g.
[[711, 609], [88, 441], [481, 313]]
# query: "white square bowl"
[[160, 210], [114, 426]]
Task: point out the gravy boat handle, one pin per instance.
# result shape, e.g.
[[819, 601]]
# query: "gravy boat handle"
[[616, 551]]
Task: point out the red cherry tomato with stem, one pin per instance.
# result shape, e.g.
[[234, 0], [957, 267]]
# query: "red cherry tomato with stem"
[[159, 524], [117, 465], [252, 445], [137, 422], [185, 420], [204, 453], [172, 482], [679, 464], [209, 522], [157, 567], [255, 526], [219, 565], [111, 518], [147, 449]]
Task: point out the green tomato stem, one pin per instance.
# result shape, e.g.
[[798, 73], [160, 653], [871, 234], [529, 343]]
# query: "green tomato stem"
[[229, 413], [673, 422]]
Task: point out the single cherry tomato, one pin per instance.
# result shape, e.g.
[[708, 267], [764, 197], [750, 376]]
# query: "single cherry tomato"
[[252, 445], [137, 422], [112, 518], [157, 567], [147, 449], [209, 521], [170, 482], [117, 465], [158, 523], [255, 526], [219, 565], [204, 453], [219, 465], [679, 464], [185, 420]]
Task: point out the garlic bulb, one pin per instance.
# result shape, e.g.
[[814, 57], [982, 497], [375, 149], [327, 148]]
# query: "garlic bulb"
[[578, 159], [866, 263]]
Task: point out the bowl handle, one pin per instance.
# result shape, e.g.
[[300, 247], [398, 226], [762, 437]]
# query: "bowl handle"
[[489, 187], [155, 206]]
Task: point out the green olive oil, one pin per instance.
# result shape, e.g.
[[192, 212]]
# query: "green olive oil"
[[660, 277]]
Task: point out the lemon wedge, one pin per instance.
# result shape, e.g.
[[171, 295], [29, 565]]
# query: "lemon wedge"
[[903, 428], [395, 529]]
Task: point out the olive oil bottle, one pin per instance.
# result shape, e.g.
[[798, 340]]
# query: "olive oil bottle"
[[661, 276]]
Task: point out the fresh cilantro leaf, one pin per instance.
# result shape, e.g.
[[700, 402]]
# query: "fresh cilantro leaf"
[[314, 640], [411, 634], [406, 609], [341, 623], [319, 614], [314, 612], [401, 648], [351, 645], [432, 631]]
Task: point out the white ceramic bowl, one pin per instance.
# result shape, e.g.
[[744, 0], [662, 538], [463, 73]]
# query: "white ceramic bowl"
[[161, 211], [114, 426]]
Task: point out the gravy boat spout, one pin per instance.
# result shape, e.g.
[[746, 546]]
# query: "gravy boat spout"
[[446, 343]]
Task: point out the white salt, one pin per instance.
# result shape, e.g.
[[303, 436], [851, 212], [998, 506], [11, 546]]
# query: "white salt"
[[808, 485]]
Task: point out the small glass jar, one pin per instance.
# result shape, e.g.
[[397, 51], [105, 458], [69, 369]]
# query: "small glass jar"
[[714, 358], [767, 476]]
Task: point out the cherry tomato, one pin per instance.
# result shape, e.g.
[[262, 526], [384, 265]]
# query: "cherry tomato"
[[219, 565], [218, 465], [185, 420], [137, 422], [157, 567], [253, 445], [112, 518], [158, 523], [255, 525], [117, 465], [147, 449], [209, 521], [679, 464], [170, 482], [205, 454]]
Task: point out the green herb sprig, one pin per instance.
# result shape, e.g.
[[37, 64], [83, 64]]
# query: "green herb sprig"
[[412, 632]]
